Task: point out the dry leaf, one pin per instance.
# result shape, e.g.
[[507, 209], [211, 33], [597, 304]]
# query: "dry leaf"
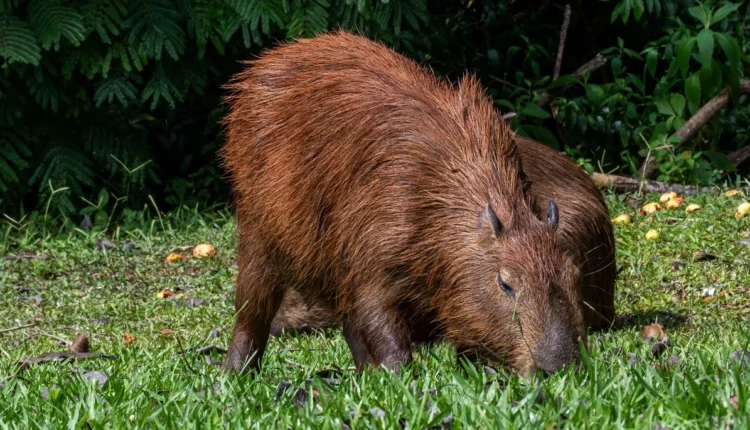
[[692, 207], [653, 331], [164, 294], [173, 257], [166, 331], [652, 235], [732, 193], [622, 219], [129, 338], [668, 196], [81, 344], [650, 208], [742, 210], [204, 250]]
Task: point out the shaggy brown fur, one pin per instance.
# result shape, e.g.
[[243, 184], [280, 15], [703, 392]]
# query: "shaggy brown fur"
[[397, 202], [585, 231]]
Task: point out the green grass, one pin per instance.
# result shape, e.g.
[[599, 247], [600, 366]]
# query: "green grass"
[[152, 385]]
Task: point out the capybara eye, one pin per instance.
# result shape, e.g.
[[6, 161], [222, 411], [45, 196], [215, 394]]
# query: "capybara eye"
[[510, 292]]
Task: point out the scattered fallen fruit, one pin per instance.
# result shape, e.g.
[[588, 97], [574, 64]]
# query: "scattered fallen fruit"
[[163, 294], [622, 219], [81, 344], [173, 257], [653, 331], [692, 207], [742, 210], [673, 204], [204, 250], [732, 193], [129, 338], [668, 196], [652, 235], [650, 208]]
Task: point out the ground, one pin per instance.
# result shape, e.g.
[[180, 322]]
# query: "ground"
[[694, 280]]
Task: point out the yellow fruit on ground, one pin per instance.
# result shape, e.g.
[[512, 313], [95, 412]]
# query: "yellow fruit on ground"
[[650, 208], [668, 196], [622, 219], [692, 208], [204, 250], [171, 258], [742, 210], [673, 204], [732, 193], [652, 235]]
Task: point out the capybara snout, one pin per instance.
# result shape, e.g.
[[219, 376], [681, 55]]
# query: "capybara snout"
[[371, 194]]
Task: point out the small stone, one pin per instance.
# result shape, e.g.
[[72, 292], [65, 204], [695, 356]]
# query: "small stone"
[[377, 412], [95, 375], [742, 356], [633, 359]]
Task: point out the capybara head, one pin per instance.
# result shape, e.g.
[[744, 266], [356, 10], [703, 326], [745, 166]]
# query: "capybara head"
[[523, 310]]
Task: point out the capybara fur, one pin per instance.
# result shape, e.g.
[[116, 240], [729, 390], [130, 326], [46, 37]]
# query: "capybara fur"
[[584, 230], [398, 202]]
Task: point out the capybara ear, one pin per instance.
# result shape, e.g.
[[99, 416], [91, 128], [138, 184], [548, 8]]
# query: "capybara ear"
[[553, 216], [488, 225]]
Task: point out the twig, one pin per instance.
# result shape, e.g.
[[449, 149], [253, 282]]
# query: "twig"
[[20, 327], [561, 45], [294, 363], [623, 183], [52, 336], [695, 123], [182, 353], [592, 65]]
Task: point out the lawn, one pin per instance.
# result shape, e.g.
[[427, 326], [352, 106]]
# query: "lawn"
[[694, 280]]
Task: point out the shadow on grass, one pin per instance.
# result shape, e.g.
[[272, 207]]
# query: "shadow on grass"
[[668, 319]]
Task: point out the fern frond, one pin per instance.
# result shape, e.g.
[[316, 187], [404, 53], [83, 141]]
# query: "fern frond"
[[17, 42], [309, 18], [52, 22], [63, 167], [13, 154], [118, 87], [161, 87], [204, 24], [154, 27], [105, 17], [43, 89], [260, 13]]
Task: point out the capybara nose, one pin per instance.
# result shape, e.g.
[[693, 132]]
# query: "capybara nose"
[[557, 348]]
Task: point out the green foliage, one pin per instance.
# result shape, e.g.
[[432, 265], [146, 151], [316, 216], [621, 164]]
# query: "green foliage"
[[95, 89]]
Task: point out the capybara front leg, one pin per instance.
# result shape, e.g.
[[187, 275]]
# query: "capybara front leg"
[[258, 296], [385, 335], [356, 345]]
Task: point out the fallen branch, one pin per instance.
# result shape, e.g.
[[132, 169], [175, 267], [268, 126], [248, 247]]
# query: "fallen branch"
[[593, 64], [623, 184], [740, 156], [20, 327], [695, 123]]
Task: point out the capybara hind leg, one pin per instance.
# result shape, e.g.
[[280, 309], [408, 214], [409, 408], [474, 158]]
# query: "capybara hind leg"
[[257, 298]]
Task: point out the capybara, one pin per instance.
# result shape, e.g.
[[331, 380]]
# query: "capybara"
[[399, 201], [584, 230]]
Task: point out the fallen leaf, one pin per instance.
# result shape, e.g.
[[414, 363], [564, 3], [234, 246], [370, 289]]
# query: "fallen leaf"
[[701, 255], [163, 294], [692, 207], [102, 320], [742, 210], [204, 250], [743, 242], [210, 348], [127, 246], [633, 359], [129, 338], [668, 196], [652, 235], [741, 355], [732, 193], [660, 347], [94, 375], [36, 299], [622, 219], [173, 257], [102, 243], [653, 331], [167, 332], [735, 402], [194, 302], [81, 344], [650, 208]]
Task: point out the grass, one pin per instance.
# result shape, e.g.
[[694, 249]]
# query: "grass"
[[152, 384]]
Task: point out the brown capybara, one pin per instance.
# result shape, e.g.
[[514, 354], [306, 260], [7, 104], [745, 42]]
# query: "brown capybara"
[[584, 230], [365, 183]]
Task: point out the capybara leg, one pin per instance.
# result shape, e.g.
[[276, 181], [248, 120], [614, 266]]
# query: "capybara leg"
[[257, 298], [385, 335], [356, 345]]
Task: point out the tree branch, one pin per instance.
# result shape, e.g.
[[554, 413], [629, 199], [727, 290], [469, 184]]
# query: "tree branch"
[[592, 65], [623, 184], [695, 123], [740, 156], [561, 45]]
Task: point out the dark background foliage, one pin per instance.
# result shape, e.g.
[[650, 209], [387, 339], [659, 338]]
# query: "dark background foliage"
[[118, 104]]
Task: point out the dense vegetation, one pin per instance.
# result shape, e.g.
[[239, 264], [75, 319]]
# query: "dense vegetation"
[[111, 104]]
